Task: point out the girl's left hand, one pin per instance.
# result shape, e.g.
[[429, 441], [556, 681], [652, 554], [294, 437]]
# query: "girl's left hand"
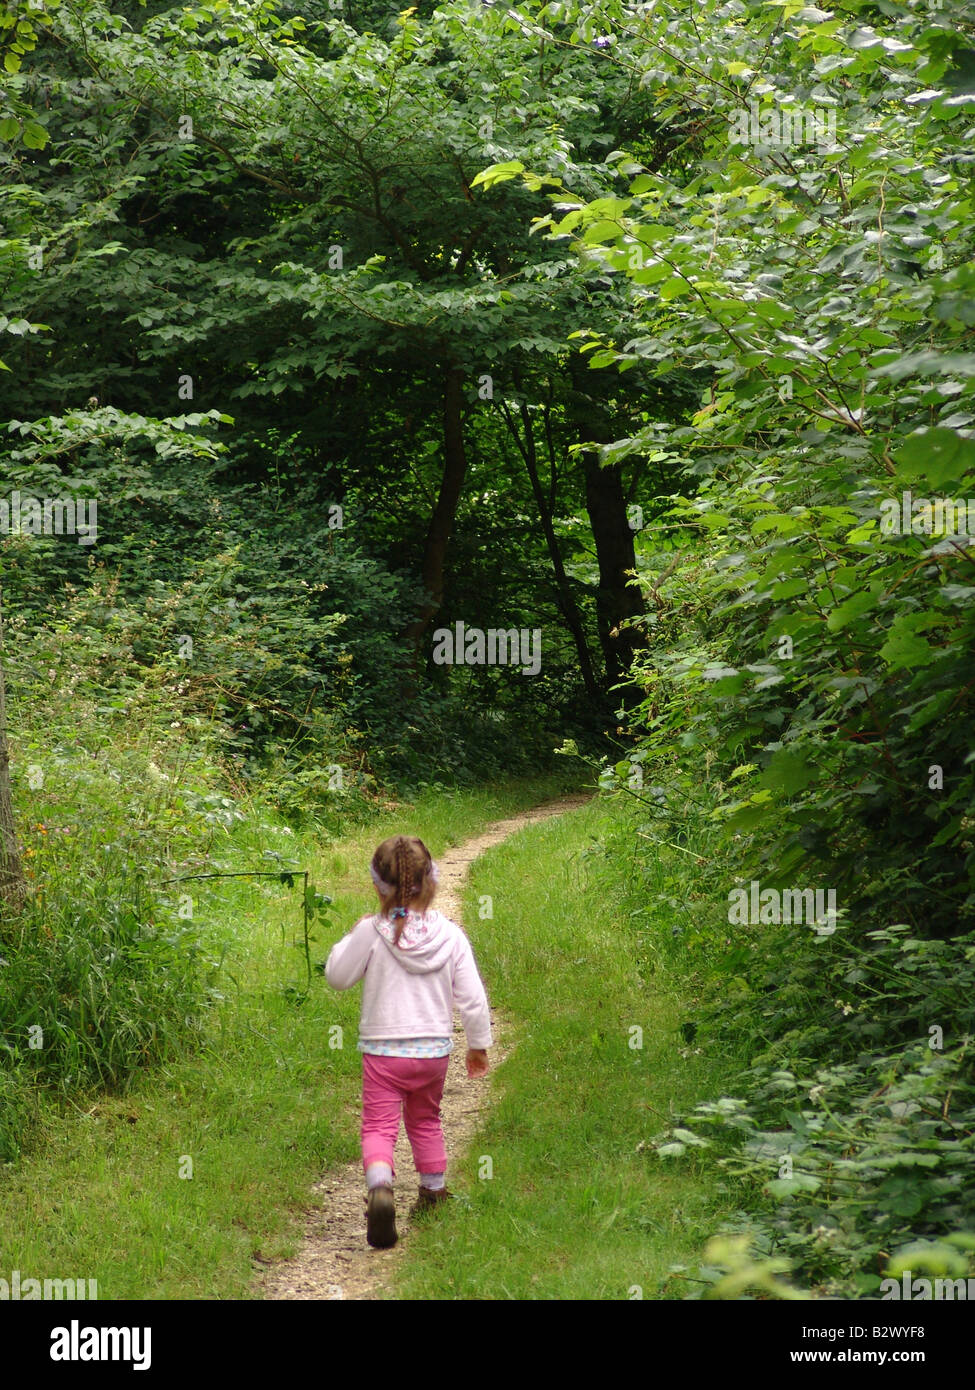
[[477, 1061]]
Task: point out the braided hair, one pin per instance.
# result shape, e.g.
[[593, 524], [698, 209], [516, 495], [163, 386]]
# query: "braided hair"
[[403, 871]]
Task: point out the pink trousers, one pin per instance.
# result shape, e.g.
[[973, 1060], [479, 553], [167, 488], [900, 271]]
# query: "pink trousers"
[[413, 1085]]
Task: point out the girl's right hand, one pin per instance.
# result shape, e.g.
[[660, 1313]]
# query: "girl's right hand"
[[477, 1061]]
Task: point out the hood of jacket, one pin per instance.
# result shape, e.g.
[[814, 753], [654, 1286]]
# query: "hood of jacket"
[[425, 943]]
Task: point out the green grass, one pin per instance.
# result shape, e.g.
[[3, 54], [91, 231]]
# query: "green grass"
[[260, 1111], [576, 1207]]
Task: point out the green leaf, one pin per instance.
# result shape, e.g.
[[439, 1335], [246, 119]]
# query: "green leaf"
[[674, 288], [851, 609], [35, 136], [602, 231], [789, 772], [498, 173], [936, 454], [789, 588], [904, 648], [791, 1187]]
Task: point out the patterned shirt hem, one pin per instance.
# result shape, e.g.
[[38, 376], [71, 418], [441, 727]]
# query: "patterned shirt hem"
[[406, 1047]]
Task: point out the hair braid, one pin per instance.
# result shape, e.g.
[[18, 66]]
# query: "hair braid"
[[404, 870], [402, 858]]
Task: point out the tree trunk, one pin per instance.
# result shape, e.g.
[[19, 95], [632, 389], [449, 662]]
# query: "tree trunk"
[[616, 599], [445, 512], [566, 602]]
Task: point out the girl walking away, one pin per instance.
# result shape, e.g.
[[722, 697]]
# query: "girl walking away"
[[416, 965]]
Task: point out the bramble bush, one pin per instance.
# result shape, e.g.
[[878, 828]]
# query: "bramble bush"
[[810, 665]]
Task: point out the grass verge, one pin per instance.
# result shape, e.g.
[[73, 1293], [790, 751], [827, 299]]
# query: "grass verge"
[[560, 1196], [183, 1185]]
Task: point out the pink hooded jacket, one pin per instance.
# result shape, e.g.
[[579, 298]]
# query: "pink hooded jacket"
[[410, 990]]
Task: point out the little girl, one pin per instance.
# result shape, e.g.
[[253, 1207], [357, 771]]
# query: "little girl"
[[416, 965]]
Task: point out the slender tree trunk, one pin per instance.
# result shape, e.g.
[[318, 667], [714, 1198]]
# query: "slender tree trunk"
[[607, 505], [13, 886], [566, 602], [445, 512], [616, 599]]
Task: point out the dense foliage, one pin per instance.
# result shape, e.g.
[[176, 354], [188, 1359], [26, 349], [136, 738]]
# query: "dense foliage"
[[644, 326], [812, 648]]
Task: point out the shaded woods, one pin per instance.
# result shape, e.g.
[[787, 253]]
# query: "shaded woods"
[[359, 326]]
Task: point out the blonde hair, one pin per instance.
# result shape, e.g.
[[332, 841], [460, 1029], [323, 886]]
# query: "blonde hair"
[[403, 871]]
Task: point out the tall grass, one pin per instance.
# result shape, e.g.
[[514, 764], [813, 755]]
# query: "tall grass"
[[260, 1105]]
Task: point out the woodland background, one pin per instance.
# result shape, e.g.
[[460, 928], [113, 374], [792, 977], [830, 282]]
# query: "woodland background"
[[357, 324]]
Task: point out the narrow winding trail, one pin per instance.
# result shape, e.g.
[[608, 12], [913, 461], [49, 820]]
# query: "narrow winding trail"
[[334, 1260]]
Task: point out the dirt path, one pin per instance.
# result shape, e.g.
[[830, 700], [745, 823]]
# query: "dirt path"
[[334, 1260]]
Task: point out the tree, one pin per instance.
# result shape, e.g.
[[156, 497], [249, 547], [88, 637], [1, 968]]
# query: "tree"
[[819, 274], [312, 190]]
